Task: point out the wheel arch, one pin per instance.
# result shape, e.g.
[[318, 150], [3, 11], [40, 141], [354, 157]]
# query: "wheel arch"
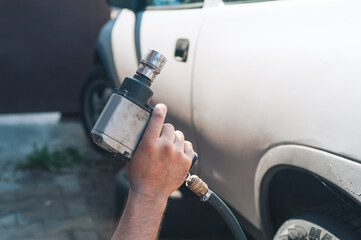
[[307, 176]]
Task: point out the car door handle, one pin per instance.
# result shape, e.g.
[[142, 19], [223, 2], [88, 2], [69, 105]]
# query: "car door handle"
[[181, 50]]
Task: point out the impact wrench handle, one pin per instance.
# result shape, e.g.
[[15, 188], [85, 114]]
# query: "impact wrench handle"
[[195, 158]]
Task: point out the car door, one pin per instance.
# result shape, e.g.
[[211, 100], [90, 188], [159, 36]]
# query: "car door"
[[165, 26]]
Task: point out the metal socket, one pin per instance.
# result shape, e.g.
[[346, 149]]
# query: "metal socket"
[[151, 64]]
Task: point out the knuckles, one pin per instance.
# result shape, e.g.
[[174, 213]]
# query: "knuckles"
[[179, 154], [169, 127], [179, 135], [190, 145], [149, 145], [167, 148], [158, 115]]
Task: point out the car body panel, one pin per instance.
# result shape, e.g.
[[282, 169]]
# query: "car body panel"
[[160, 30], [123, 44], [273, 72]]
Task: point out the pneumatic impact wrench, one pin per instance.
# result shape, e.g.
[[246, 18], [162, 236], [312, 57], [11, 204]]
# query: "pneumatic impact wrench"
[[124, 118]]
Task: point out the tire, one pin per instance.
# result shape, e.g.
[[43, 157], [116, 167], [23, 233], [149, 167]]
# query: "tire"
[[185, 216], [95, 92], [328, 223]]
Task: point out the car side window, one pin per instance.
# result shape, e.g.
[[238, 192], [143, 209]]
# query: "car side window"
[[171, 2]]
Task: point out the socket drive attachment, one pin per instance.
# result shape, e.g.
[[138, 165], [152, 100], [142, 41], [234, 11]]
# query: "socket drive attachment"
[[151, 64]]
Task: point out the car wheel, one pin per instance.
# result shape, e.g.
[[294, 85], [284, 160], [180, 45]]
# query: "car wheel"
[[329, 223], [95, 92]]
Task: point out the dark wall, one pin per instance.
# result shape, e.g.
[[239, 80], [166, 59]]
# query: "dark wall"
[[46, 49]]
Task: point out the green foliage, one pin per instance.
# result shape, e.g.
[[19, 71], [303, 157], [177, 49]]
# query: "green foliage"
[[43, 158]]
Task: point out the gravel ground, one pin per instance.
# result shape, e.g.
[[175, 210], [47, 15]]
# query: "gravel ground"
[[73, 203]]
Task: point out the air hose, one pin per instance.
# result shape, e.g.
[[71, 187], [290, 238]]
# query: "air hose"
[[200, 188]]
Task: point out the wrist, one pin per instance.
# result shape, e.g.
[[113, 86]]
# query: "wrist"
[[156, 200]]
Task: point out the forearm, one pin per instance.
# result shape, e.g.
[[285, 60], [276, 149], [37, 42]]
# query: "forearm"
[[141, 218], [158, 167]]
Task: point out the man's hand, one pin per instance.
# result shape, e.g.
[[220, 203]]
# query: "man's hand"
[[161, 162], [159, 166]]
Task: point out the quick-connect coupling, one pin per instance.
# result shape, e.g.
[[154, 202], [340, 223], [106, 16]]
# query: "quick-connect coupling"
[[196, 185]]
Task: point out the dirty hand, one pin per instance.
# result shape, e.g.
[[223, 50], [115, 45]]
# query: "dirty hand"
[[161, 162]]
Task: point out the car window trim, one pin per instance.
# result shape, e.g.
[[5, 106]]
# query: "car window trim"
[[176, 7], [245, 1]]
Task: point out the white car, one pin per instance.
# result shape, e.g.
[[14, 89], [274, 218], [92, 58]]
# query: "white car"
[[269, 93]]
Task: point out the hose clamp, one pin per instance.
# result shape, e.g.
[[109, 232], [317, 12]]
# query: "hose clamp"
[[206, 196]]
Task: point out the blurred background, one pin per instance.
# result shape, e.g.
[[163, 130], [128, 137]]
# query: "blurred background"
[[46, 51], [53, 185]]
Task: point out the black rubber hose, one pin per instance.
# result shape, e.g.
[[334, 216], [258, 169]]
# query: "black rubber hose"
[[227, 215]]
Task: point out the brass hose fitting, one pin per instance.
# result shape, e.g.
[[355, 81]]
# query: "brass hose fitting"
[[200, 188], [196, 185]]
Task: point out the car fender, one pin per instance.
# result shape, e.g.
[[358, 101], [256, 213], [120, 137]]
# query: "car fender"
[[104, 51], [342, 172]]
